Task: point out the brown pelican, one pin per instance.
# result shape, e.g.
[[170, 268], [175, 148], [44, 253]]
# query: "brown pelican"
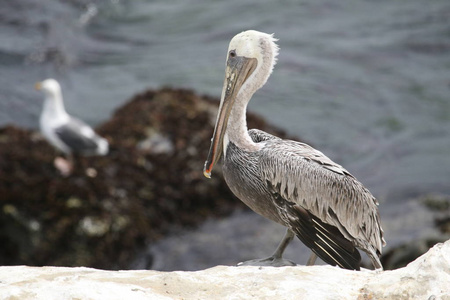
[[66, 133], [286, 181]]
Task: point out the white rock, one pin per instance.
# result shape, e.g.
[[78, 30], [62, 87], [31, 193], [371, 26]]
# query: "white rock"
[[428, 277]]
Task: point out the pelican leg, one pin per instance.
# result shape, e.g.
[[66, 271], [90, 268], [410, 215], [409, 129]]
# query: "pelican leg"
[[312, 259], [288, 237], [276, 259]]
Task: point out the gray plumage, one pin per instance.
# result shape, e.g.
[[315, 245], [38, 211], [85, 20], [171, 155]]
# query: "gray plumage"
[[299, 187], [286, 181], [71, 134]]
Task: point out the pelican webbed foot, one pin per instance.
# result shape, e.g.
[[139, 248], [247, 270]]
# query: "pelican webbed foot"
[[276, 259], [271, 261]]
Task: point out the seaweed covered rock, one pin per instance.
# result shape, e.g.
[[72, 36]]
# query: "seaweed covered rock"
[[110, 207]]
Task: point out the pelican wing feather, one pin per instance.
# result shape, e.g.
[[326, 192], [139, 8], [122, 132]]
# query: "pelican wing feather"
[[305, 178]]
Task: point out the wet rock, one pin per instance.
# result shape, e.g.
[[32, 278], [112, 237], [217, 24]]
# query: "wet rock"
[[401, 255], [440, 206], [111, 207], [425, 278]]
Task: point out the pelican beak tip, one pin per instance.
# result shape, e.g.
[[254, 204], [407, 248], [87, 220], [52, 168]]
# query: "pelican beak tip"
[[37, 86], [207, 174]]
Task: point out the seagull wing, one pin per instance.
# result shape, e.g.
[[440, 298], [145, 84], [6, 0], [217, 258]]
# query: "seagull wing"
[[78, 136]]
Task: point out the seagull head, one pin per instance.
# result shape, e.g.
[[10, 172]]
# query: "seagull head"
[[50, 87]]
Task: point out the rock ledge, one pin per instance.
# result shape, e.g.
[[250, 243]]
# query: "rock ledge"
[[427, 277]]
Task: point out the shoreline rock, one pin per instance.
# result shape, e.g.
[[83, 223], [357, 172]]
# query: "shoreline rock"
[[425, 278]]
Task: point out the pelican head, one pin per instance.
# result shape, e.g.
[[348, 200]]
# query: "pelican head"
[[50, 87], [250, 61]]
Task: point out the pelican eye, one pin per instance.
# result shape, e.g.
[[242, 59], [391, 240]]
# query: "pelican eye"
[[233, 53]]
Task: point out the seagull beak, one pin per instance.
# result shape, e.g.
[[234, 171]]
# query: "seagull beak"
[[238, 70], [38, 86]]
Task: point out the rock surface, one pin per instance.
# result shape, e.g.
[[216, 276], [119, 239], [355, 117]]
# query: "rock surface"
[[427, 277]]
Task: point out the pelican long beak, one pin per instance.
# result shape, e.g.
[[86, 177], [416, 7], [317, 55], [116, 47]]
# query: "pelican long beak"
[[238, 70], [38, 86]]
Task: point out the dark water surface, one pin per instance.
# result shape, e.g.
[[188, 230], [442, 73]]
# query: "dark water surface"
[[366, 82]]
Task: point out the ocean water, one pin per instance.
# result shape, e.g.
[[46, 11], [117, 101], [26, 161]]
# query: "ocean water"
[[366, 82]]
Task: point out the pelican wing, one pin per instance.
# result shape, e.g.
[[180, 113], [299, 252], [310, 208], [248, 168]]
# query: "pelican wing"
[[78, 136], [309, 182]]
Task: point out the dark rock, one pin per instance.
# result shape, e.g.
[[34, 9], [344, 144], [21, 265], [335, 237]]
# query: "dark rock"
[[400, 256], [110, 207]]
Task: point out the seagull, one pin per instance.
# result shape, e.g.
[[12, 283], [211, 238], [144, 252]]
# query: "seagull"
[[66, 133], [286, 181]]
